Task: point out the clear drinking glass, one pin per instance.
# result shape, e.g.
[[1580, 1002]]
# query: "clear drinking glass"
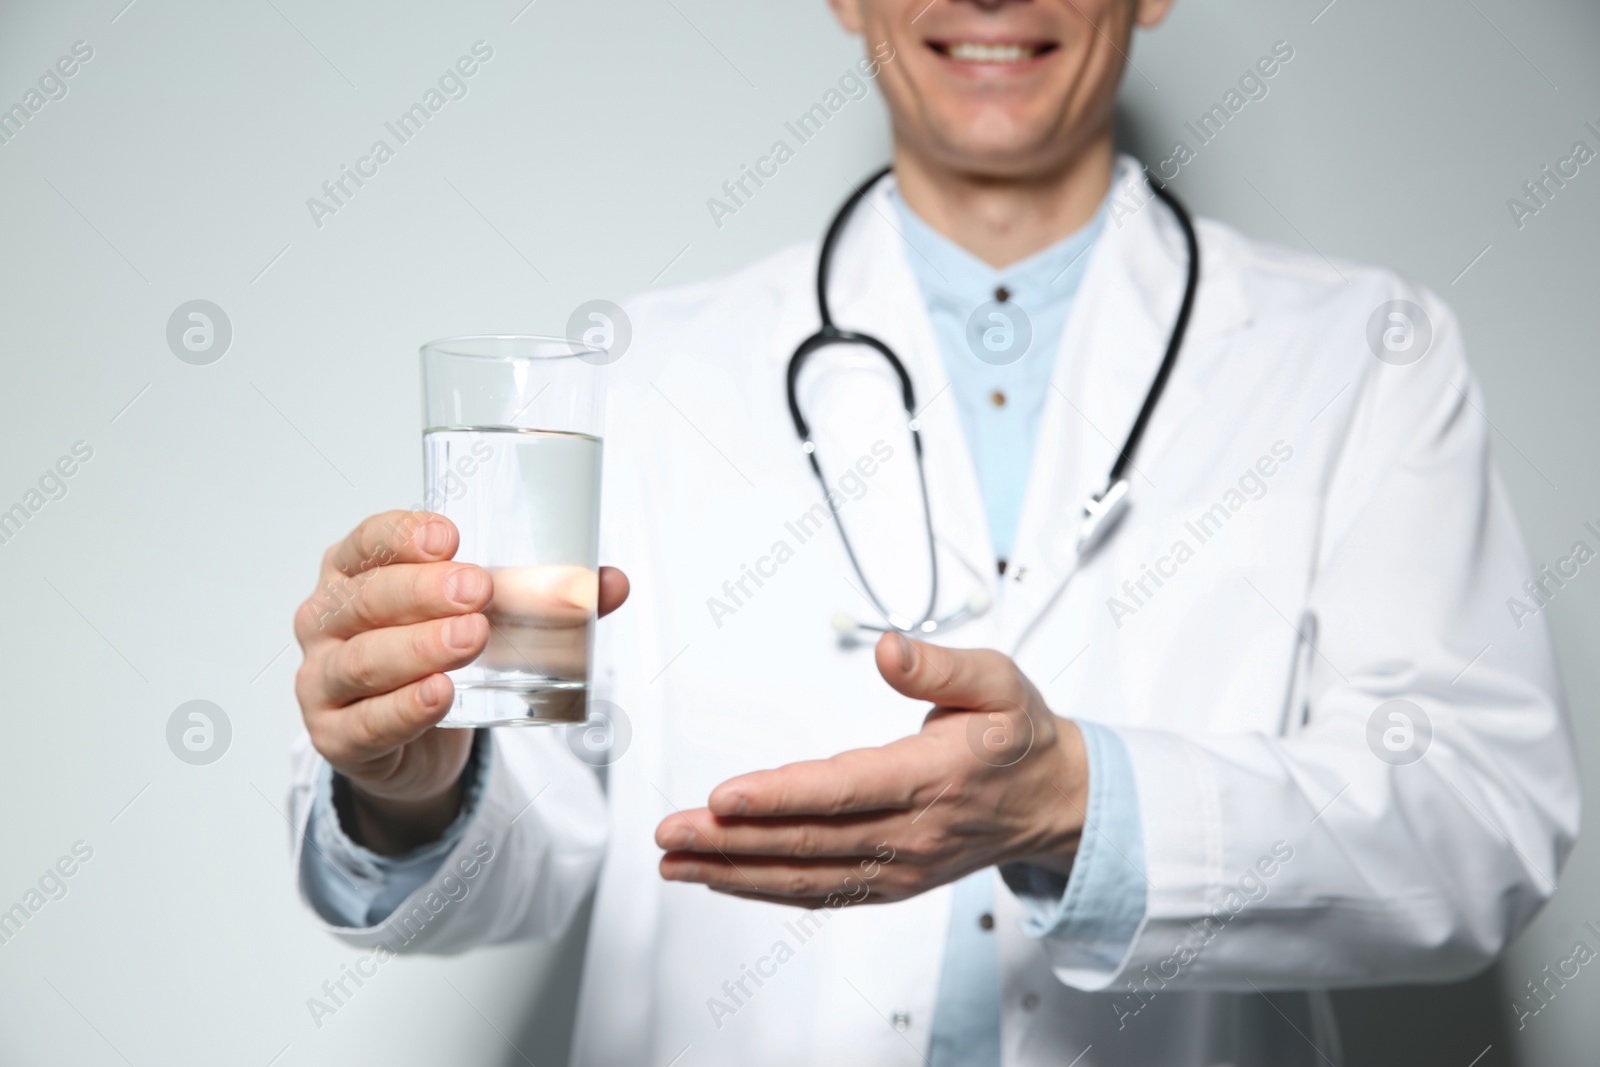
[[511, 445]]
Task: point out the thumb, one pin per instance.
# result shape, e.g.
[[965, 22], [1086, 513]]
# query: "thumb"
[[950, 677]]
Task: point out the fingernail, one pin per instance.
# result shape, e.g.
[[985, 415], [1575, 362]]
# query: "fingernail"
[[433, 689], [680, 839], [459, 632], [908, 653], [468, 585], [433, 537]]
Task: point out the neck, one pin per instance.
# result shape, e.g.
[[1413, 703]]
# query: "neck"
[[1005, 219]]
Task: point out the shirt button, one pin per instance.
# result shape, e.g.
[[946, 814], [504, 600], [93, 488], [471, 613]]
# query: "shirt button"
[[997, 398], [1030, 1001], [901, 1021], [986, 921], [1002, 294]]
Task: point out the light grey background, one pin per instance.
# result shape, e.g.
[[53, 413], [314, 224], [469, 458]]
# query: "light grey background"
[[578, 167]]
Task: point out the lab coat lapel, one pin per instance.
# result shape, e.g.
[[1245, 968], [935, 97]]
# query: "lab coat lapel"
[[1111, 350]]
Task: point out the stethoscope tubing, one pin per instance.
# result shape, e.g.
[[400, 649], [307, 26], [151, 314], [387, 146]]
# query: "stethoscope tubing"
[[1098, 522]]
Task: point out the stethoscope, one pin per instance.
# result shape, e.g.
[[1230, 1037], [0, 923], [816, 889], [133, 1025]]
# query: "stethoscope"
[[1101, 512]]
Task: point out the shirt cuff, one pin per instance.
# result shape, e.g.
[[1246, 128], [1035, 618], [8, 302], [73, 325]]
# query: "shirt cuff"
[[352, 886], [1093, 916]]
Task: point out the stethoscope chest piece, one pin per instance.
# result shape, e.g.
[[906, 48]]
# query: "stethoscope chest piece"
[[1101, 514]]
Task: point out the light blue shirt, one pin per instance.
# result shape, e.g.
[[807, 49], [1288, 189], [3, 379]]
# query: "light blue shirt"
[[1103, 902], [999, 355]]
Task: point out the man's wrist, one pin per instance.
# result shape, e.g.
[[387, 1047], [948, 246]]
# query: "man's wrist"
[[1063, 774], [391, 826]]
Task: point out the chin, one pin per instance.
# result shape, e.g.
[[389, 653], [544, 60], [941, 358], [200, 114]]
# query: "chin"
[[990, 143]]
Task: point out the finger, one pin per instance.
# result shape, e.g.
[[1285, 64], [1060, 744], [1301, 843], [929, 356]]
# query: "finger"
[[614, 587], [373, 728], [953, 677], [813, 903], [391, 537], [380, 661], [398, 595], [861, 780], [842, 899], [800, 838], [772, 878]]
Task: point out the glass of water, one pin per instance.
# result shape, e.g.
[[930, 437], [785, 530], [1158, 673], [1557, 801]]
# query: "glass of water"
[[511, 446]]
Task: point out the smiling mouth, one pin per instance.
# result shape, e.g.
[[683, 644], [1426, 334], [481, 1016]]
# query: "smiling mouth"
[[994, 52]]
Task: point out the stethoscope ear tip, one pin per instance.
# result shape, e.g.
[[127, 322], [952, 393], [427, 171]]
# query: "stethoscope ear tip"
[[980, 601], [844, 623]]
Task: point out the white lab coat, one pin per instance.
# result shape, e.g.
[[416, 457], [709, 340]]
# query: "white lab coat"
[[1376, 565]]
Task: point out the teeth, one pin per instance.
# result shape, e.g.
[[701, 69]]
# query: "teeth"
[[976, 52]]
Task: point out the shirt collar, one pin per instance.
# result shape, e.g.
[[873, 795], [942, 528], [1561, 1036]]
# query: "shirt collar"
[[948, 273]]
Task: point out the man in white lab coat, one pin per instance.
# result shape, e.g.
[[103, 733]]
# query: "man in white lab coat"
[[1278, 733]]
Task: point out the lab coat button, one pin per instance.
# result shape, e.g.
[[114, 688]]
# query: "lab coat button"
[[986, 921], [901, 1021], [1030, 1001]]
